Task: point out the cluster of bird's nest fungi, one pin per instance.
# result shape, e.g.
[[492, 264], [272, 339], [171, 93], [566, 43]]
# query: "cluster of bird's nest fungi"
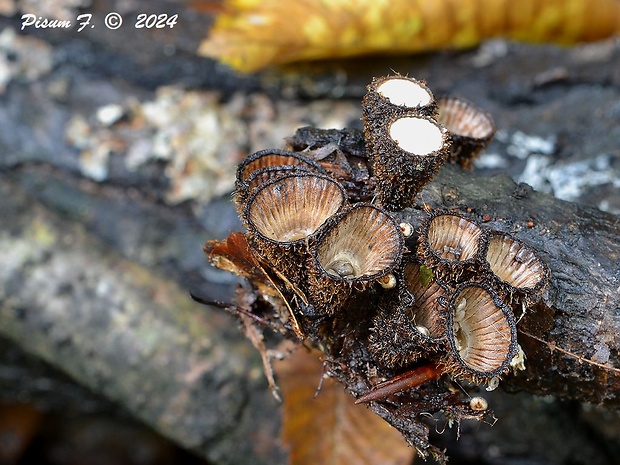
[[409, 316]]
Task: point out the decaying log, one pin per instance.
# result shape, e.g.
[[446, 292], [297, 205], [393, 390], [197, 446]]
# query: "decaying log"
[[572, 338], [130, 335]]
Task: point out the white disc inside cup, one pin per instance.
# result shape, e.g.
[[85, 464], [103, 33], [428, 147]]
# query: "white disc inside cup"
[[405, 92], [417, 135]]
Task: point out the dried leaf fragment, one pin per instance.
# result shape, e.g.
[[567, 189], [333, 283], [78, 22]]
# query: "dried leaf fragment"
[[250, 35], [330, 428], [234, 254]]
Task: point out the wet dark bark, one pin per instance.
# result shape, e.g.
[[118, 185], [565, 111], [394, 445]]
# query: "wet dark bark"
[[571, 339]]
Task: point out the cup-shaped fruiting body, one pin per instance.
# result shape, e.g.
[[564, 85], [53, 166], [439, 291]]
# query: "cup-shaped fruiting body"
[[481, 332], [427, 314], [401, 333], [405, 153], [264, 160], [274, 157], [471, 128], [264, 175], [282, 214], [451, 244], [394, 95], [515, 268], [356, 248]]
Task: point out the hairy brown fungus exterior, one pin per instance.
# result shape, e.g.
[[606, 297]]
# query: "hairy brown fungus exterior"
[[471, 128], [515, 268], [357, 248], [283, 213], [451, 244], [481, 332], [405, 153], [402, 332], [394, 342], [396, 94]]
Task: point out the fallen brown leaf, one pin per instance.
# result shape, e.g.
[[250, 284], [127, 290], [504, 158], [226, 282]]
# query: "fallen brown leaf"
[[329, 428], [233, 254]]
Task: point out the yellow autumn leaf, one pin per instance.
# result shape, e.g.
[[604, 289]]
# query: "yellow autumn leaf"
[[250, 34]]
